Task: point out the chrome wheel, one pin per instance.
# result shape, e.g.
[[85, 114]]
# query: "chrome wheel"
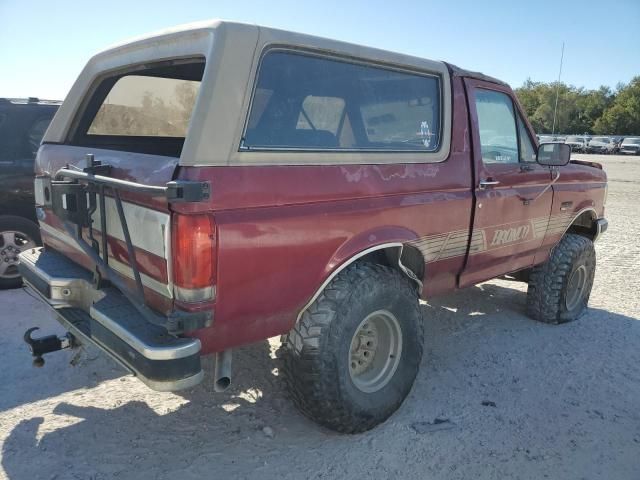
[[375, 351], [11, 244], [576, 287]]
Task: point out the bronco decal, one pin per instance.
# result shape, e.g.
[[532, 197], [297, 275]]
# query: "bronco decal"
[[510, 235], [454, 244]]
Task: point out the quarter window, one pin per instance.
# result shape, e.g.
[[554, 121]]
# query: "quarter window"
[[309, 102]]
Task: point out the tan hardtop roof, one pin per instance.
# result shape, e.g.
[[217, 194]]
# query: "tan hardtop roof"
[[285, 37], [232, 50]]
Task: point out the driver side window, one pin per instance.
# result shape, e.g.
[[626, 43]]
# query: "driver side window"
[[497, 124]]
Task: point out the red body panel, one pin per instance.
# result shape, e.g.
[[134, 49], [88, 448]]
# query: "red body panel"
[[283, 229]]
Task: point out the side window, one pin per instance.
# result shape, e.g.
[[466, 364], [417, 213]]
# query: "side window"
[[321, 103], [527, 150], [497, 124]]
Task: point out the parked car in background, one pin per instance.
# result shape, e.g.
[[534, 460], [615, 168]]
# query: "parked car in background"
[[602, 145], [22, 125], [550, 138], [577, 144], [630, 145]]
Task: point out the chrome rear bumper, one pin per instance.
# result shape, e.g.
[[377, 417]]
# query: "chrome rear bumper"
[[105, 318]]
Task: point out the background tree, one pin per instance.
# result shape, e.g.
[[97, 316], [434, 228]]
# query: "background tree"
[[622, 117], [580, 110]]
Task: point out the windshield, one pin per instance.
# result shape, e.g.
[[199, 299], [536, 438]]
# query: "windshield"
[[633, 141], [575, 139]]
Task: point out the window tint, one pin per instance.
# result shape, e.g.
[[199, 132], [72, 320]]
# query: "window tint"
[[527, 150], [308, 102], [146, 106], [35, 134], [22, 132], [498, 139]]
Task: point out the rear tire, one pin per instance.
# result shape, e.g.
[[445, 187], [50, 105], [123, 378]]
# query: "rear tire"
[[559, 289], [331, 377], [16, 233]]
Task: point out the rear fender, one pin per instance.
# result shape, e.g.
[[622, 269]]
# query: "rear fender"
[[390, 240]]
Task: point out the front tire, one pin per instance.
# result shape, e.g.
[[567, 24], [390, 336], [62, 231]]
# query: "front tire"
[[353, 357], [559, 289]]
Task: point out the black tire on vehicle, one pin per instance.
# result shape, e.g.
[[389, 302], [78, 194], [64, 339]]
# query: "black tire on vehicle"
[[330, 377], [559, 289], [16, 233]]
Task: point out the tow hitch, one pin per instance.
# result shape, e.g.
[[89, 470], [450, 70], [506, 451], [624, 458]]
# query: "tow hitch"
[[42, 345]]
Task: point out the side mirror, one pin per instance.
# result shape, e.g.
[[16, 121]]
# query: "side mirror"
[[553, 154]]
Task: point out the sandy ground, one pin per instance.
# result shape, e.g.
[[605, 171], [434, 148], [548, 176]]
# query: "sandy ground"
[[522, 399]]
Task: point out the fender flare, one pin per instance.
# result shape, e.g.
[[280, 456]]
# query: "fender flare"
[[594, 218], [354, 258]]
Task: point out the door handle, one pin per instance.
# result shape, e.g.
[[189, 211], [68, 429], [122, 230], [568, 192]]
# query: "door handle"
[[484, 184]]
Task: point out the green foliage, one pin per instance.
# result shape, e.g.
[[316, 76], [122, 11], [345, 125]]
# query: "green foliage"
[[600, 111], [623, 116]]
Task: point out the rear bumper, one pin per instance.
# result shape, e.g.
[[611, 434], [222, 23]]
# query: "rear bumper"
[[106, 319]]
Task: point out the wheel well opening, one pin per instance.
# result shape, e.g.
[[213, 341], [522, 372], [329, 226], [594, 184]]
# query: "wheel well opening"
[[584, 225], [411, 259]]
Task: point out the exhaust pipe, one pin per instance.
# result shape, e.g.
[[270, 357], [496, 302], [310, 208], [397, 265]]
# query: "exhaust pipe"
[[222, 372]]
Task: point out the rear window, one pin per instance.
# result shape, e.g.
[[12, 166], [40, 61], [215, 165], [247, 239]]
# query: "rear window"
[[21, 130], [146, 110], [146, 106], [303, 101]]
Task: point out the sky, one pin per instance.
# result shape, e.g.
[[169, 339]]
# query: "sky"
[[44, 44]]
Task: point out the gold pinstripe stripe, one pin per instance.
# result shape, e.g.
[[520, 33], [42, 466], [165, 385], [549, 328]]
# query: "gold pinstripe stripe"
[[442, 246]]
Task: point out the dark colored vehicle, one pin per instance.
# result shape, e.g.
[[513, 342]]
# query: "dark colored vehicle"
[[220, 184], [602, 145], [22, 125], [630, 146]]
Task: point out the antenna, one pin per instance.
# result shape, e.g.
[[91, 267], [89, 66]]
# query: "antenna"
[[555, 109]]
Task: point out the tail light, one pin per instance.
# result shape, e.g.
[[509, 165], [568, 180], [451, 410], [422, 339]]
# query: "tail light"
[[193, 239]]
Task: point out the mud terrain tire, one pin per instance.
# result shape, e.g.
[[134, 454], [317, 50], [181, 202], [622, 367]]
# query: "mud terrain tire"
[[552, 296], [318, 354]]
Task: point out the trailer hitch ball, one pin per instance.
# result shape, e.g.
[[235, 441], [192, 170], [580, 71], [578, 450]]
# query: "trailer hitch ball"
[[42, 345]]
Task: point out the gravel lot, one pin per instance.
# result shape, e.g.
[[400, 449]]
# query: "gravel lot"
[[521, 399]]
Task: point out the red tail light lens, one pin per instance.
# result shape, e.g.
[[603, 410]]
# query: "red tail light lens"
[[194, 256]]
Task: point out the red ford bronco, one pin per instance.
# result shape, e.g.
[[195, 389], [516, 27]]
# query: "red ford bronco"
[[218, 184]]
